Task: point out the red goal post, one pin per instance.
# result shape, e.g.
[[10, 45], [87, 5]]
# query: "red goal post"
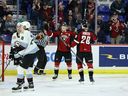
[[2, 52]]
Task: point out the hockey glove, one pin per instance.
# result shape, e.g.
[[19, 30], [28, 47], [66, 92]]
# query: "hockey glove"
[[40, 36], [11, 56]]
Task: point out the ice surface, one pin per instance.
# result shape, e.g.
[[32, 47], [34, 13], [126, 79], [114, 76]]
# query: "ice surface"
[[105, 85]]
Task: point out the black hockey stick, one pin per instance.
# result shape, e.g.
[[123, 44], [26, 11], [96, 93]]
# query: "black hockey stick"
[[38, 67], [72, 51], [6, 67]]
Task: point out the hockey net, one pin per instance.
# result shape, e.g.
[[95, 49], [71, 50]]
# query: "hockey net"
[[2, 45]]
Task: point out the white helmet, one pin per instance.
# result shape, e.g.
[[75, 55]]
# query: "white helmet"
[[26, 24], [18, 24]]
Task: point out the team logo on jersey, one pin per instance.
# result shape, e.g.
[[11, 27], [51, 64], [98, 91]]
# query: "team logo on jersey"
[[22, 38], [17, 44], [64, 37]]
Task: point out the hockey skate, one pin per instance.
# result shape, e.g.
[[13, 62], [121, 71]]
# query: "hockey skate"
[[69, 76], [91, 80], [41, 73], [30, 87], [18, 88], [55, 77], [81, 80]]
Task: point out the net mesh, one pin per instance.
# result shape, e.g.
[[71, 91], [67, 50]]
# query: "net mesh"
[[1, 61]]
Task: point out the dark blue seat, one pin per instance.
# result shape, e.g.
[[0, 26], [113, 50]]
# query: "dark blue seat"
[[122, 18], [103, 9], [6, 38], [105, 18], [126, 1]]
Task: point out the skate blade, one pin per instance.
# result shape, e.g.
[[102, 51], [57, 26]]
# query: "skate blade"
[[82, 82], [92, 83], [16, 91], [54, 79], [70, 78], [29, 89]]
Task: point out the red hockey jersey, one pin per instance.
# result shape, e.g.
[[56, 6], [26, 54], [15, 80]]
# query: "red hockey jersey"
[[84, 40], [64, 40]]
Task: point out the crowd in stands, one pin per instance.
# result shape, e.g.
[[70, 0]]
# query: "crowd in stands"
[[112, 21], [7, 26]]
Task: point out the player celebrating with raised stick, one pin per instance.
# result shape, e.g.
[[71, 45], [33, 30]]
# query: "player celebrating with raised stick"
[[64, 36], [84, 51], [24, 49]]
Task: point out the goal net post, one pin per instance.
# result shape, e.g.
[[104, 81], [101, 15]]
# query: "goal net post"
[[2, 55]]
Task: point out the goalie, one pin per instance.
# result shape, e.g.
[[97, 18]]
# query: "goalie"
[[23, 50]]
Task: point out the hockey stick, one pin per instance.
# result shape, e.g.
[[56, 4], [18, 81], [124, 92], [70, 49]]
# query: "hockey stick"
[[38, 67], [72, 51], [6, 67]]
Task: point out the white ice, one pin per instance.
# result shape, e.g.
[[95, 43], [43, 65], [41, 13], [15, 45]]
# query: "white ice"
[[105, 85]]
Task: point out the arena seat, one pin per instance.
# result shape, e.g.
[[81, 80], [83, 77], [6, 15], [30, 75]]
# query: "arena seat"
[[103, 9], [6, 38], [122, 18], [105, 18]]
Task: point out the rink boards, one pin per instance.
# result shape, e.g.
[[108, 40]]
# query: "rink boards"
[[108, 59]]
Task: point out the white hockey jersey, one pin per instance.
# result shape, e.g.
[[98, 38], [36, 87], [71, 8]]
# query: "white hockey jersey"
[[25, 39]]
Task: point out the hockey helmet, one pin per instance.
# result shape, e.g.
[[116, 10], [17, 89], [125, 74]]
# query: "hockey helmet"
[[84, 24], [19, 24], [26, 24]]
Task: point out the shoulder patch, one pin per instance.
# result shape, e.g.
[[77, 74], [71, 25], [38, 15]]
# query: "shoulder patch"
[[14, 37], [22, 38]]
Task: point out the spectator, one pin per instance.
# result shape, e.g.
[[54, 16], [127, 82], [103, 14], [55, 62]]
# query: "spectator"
[[100, 32], [90, 10], [116, 29], [77, 15], [70, 20], [90, 13], [101, 39], [126, 34], [2, 9], [37, 6], [117, 6], [126, 11], [72, 4], [84, 8], [9, 25], [2, 23], [61, 13]]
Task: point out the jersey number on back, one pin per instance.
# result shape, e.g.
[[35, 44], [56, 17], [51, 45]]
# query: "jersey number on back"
[[85, 39]]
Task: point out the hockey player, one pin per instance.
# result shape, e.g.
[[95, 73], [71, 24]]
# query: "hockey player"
[[64, 38], [23, 49], [84, 51]]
